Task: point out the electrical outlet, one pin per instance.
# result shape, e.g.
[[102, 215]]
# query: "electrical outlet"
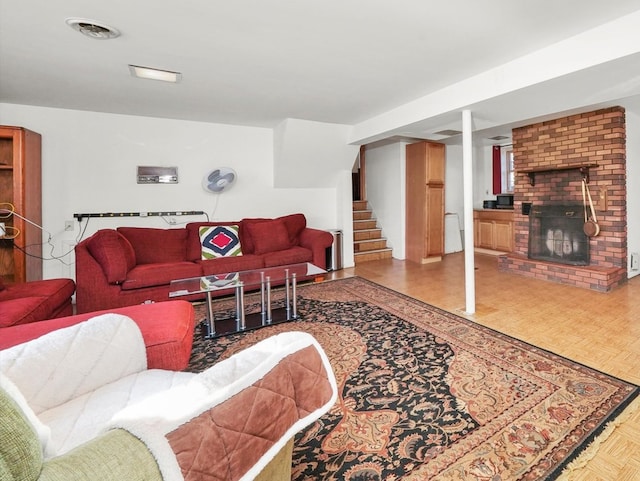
[[68, 226], [635, 261]]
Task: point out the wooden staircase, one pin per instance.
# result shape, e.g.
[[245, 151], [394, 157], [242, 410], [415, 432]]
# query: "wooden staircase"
[[368, 243]]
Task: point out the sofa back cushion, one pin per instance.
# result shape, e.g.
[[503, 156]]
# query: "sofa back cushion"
[[294, 223], [20, 451], [268, 236], [156, 245], [114, 253]]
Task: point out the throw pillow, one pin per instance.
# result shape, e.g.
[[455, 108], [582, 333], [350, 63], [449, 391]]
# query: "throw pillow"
[[220, 241], [270, 236]]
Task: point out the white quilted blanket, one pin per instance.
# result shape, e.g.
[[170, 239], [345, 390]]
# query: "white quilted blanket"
[[76, 378], [67, 363]]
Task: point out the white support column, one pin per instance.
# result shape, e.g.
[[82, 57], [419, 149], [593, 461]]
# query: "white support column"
[[467, 175]]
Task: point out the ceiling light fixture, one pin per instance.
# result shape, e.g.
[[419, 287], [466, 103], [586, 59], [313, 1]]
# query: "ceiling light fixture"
[[155, 74], [92, 29]]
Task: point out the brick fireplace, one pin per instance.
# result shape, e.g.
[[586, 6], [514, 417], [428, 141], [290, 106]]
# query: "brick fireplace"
[[551, 158]]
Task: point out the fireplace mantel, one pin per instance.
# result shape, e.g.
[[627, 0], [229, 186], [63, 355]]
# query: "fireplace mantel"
[[583, 168]]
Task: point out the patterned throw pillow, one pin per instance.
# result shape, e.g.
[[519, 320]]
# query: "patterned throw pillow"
[[220, 241]]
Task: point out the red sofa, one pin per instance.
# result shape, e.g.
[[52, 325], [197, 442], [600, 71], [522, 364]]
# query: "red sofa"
[[167, 329], [131, 265], [35, 301]]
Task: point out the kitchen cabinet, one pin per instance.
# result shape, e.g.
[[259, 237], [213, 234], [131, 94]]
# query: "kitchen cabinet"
[[20, 192], [425, 164], [493, 229]]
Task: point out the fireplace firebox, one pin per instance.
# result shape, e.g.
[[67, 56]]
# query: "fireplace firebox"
[[556, 234]]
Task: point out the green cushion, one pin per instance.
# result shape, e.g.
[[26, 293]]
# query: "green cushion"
[[116, 455], [20, 450]]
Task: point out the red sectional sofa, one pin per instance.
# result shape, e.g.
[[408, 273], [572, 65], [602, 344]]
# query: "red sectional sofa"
[[132, 265], [166, 327], [35, 301]]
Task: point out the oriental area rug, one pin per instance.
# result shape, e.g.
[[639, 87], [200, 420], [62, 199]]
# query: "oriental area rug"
[[428, 395]]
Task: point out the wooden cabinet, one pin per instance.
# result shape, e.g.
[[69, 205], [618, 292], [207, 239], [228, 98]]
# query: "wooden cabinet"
[[493, 229], [21, 192], [425, 162]]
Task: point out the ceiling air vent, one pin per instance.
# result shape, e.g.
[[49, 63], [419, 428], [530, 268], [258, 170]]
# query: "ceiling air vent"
[[92, 29], [448, 132]]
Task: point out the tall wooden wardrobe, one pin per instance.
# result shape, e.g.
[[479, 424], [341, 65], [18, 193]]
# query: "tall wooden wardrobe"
[[425, 162], [20, 192]]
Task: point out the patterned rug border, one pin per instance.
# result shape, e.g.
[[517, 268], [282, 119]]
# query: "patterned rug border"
[[582, 452]]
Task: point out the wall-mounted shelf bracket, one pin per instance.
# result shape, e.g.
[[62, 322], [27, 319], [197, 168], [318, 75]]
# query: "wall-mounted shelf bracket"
[[585, 174]]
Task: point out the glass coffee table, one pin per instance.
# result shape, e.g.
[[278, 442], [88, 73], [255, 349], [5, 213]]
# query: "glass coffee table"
[[237, 283]]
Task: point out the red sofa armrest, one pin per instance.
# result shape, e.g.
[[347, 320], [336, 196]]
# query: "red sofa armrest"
[[93, 291], [167, 329], [317, 241]]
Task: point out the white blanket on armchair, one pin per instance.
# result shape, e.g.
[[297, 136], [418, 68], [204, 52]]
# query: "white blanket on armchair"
[[152, 419], [85, 379]]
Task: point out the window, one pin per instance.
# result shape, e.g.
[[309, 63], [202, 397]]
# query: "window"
[[508, 173], [504, 175]]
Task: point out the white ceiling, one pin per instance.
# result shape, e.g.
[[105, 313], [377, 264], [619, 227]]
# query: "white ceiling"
[[257, 62]]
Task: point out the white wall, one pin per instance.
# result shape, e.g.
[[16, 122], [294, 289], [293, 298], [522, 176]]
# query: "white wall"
[[312, 154], [633, 193], [385, 177], [89, 165]]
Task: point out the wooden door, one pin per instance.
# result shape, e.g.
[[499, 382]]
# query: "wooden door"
[[424, 201], [434, 242]]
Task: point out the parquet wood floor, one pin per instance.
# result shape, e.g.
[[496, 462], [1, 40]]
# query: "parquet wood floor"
[[601, 330]]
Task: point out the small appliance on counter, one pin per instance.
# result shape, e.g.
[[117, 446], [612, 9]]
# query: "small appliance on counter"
[[504, 201], [489, 204]]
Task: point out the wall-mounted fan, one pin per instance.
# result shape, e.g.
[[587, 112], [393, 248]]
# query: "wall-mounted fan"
[[219, 180]]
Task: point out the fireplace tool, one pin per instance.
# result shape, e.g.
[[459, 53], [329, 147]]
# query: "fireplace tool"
[[591, 227]]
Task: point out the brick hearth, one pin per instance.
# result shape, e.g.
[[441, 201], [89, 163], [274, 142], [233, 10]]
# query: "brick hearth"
[[551, 153]]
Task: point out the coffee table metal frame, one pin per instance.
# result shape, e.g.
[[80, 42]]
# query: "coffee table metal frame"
[[241, 280]]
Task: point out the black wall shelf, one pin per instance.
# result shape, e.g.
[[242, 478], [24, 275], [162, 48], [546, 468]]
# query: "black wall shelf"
[[583, 168]]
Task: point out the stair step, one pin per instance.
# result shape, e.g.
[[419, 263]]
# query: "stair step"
[[360, 205], [362, 214], [372, 255], [369, 245], [364, 224], [365, 234]]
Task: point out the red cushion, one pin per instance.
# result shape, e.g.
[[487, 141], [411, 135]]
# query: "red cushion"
[[156, 245], [270, 236], [34, 301], [166, 327], [294, 255], [223, 265], [295, 224], [245, 236], [114, 254], [159, 274]]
